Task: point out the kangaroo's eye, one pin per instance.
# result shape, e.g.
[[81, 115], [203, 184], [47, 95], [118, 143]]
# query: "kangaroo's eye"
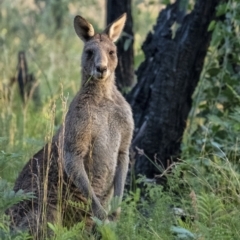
[[111, 52], [89, 52]]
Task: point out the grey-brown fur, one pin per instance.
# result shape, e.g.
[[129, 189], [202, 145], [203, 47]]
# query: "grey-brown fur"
[[87, 160]]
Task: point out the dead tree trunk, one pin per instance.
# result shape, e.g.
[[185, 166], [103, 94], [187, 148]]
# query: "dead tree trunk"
[[161, 100], [28, 85], [125, 68]]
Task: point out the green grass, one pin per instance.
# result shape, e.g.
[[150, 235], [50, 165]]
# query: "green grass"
[[205, 184]]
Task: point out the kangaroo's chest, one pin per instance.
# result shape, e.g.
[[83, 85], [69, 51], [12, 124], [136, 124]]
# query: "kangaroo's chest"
[[107, 123], [109, 119]]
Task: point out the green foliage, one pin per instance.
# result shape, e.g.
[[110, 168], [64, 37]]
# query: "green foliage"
[[6, 234], [106, 230], [210, 197], [210, 209], [182, 233], [8, 161], [63, 233], [8, 197], [214, 120], [211, 141], [146, 214]]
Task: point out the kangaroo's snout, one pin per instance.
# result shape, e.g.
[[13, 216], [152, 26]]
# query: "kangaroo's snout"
[[101, 69], [100, 72]]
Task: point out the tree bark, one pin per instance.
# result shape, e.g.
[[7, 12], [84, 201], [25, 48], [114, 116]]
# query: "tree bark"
[[125, 68], [161, 101]]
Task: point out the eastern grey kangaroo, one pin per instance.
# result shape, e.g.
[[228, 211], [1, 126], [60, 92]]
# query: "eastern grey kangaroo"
[[87, 160]]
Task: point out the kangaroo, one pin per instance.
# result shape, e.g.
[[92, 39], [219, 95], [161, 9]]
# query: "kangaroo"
[[87, 160]]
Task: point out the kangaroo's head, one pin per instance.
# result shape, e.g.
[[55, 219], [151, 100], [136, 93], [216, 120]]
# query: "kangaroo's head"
[[99, 58]]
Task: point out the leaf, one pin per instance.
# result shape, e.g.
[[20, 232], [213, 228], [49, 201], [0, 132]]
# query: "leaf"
[[233, 92], [114, 204], [97, 221], [182, 233], [222, 9], [216, 36], [215, 120], [216, 145], [213, 71], [211, 25], [51, 226]]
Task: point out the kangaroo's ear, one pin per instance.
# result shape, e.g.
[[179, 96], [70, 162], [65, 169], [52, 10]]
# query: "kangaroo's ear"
[[114, 29], [83, 28]]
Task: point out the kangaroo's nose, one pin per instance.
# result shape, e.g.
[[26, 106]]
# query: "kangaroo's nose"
[[101, 69]]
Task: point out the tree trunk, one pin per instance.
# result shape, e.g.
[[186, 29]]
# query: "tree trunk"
[[161, 101], [125, 68]]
